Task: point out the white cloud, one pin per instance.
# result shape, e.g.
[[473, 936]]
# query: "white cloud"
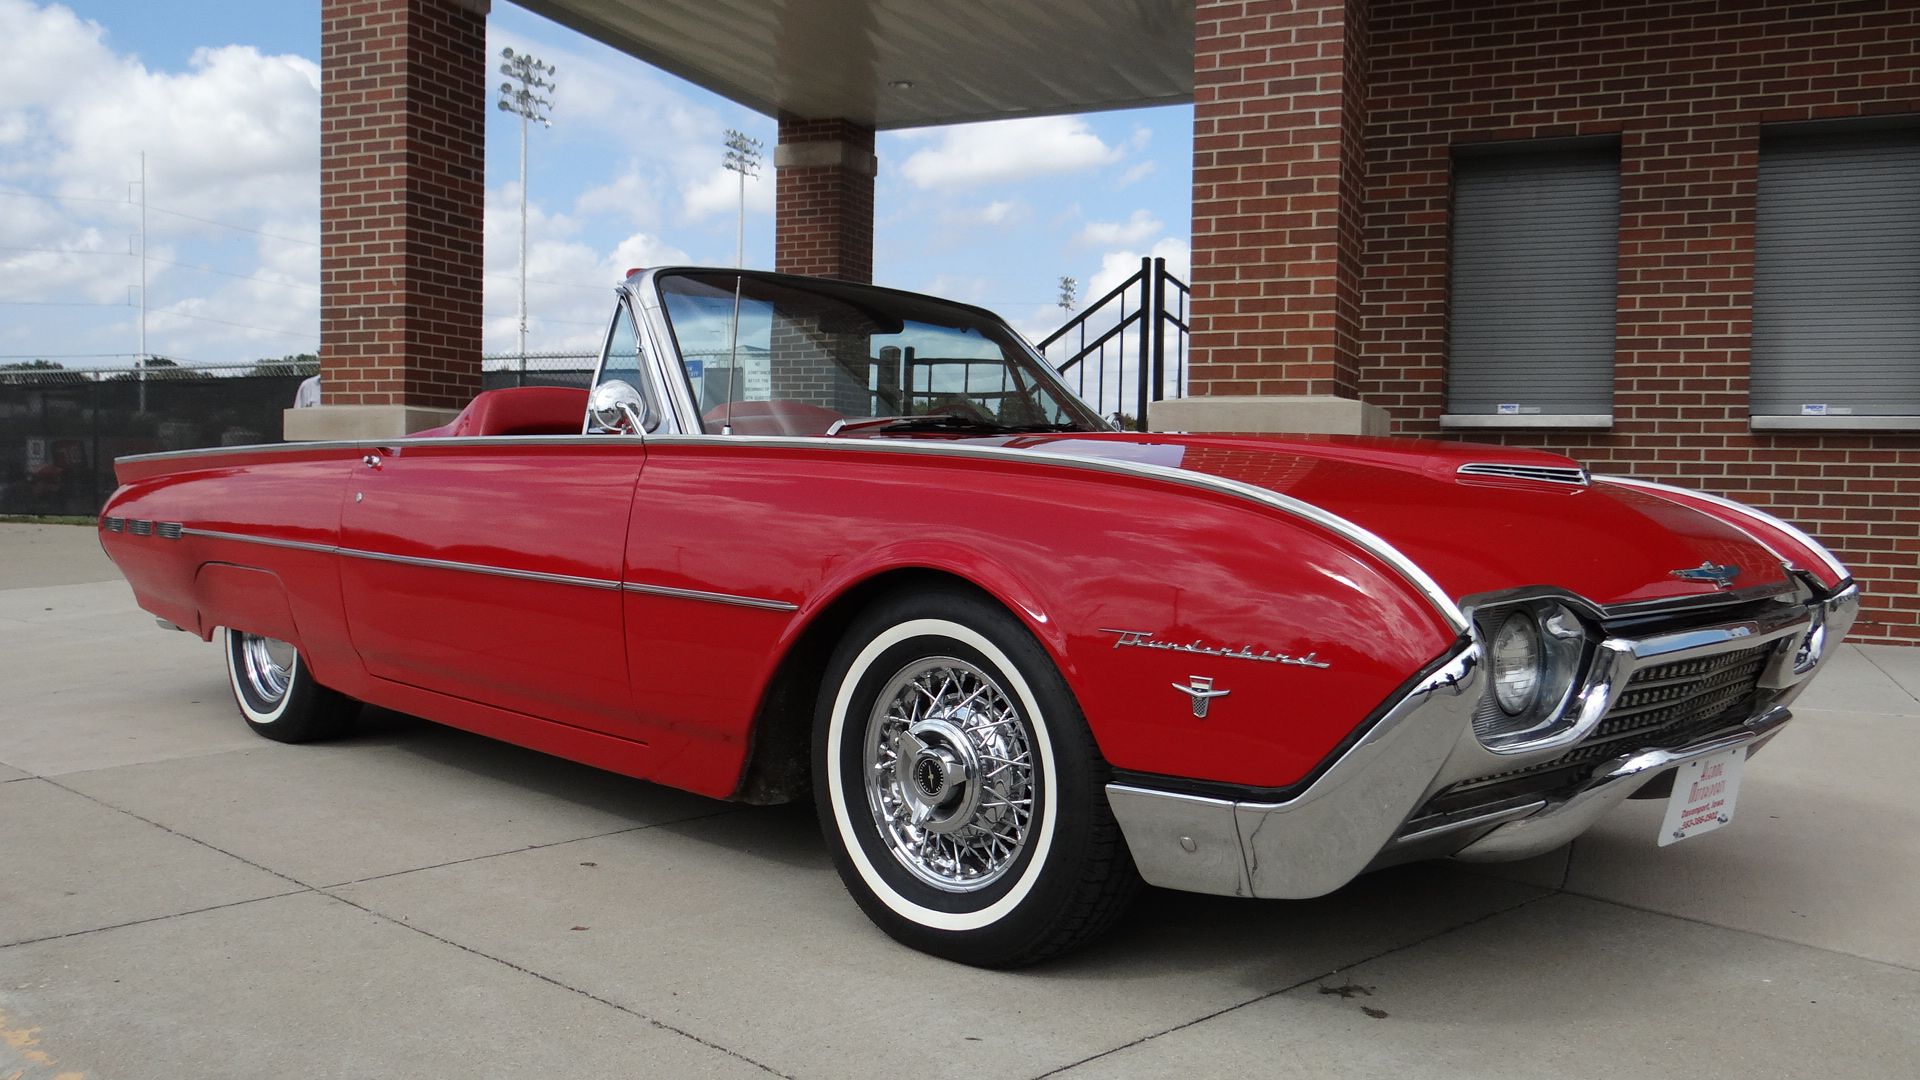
[[1002, 150], [1137, 229], [718, 191], [1136, 173]]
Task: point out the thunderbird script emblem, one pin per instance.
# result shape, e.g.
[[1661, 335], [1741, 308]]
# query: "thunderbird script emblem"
[[1721, 576], [1200, 689]]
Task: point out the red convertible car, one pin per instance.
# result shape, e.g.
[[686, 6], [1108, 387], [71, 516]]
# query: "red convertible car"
[[806, 536]]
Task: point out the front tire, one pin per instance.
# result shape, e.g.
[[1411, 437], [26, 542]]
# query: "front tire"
[[959, 788], [277, 694]]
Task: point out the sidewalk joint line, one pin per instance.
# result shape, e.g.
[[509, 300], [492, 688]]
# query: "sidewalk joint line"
[[1897, 684], [1290, 987], [1762, 934], [154, 918], [183, 836], [588, 994]]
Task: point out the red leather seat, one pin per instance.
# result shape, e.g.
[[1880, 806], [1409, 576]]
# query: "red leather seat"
[[519, 410]]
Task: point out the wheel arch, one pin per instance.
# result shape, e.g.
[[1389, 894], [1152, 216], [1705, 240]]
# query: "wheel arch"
[[777, 769]]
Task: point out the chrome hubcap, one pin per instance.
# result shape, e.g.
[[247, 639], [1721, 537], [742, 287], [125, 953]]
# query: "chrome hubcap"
[[949, 774], [268, 663]]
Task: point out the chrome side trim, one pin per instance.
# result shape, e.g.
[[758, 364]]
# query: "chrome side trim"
[[269, 541], [501, 571], [710, 597], [1367, 541], [1393, 558], [1820, 551], [480, 568], [1321, 839], [1562, 821]]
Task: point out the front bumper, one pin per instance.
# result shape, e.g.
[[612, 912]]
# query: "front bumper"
[[1365, 810]]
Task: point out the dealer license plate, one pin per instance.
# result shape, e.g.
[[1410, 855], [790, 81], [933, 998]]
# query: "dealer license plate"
[[1703, 792]]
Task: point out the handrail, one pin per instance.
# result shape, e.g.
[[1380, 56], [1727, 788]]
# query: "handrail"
[[1152, 301]]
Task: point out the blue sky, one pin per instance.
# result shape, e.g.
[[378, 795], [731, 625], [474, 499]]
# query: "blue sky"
[[224, 100]]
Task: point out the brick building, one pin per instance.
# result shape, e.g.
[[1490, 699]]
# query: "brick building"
[[1673, 240]]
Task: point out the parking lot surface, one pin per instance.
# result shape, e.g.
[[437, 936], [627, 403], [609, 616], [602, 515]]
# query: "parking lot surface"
[[181, 899]]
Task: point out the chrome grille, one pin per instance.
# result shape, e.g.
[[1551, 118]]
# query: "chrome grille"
[[116, 524], [170, 530], [1662, 707], [140, 528]]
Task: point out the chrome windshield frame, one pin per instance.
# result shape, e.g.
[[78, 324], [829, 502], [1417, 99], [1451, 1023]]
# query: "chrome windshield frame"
[[649, 305]]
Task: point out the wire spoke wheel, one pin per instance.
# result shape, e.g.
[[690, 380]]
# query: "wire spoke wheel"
[[949, 774]]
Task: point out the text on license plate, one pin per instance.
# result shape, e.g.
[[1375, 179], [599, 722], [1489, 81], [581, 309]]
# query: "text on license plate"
[[1703, 793]]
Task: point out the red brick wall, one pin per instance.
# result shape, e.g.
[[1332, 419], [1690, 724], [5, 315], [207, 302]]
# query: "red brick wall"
[[1685, 88], [403, 103], [823, 215], [1278, 116]]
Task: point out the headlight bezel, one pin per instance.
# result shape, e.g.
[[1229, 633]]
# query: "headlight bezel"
[[1565, 636]]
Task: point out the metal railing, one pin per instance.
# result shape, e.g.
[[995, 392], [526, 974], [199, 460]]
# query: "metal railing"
[[1147, 309]]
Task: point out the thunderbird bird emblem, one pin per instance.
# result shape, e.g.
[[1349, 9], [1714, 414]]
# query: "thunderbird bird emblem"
[[1721, 576], [1200, 689]]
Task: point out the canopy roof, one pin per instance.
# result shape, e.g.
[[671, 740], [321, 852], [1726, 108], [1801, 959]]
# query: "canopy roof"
[[960, 60]]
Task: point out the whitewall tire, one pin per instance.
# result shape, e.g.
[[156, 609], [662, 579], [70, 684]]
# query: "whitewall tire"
[[958, 787], [277, 694]]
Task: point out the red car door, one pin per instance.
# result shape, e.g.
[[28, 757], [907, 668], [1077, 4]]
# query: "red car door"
[[490, 570]]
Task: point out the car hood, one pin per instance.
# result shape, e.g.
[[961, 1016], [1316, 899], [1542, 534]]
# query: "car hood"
[[1473, 534]]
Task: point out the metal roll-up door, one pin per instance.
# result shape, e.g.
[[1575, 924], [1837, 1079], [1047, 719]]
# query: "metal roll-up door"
[[1536, 250], [1836, 293]]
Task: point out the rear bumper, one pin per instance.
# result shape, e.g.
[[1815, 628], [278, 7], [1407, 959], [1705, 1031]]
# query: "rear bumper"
[[1356, 815]]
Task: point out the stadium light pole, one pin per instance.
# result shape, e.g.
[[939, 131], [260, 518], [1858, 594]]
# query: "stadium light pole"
[[525, 102], [743, 157]]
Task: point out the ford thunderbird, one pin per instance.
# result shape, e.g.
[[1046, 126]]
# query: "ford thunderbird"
[[804, 539]]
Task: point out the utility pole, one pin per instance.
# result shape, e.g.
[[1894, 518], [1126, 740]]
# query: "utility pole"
[[743, 157], [525, 102], [140, 361]]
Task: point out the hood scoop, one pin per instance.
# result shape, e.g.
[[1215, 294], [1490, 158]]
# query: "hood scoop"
[[1546, 474]]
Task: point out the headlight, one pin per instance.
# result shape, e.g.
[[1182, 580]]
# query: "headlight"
[[1516, 664], [1536, 652]]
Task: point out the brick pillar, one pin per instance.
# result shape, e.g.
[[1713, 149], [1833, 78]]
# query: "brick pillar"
[[403, 99], [823, 199], [1279, 119]]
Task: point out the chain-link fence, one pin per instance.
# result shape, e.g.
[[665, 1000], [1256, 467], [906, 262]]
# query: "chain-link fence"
[[60, 429]]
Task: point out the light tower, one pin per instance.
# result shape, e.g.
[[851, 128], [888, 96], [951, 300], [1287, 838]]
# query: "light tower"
[[743, 157], [525, 101]]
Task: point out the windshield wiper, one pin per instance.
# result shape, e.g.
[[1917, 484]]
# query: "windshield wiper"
[[945, 422]]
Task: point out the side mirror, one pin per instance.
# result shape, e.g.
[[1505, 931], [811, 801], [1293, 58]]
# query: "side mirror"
[[617, 407]]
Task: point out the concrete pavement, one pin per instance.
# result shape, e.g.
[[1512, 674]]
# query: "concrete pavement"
[[179, 898]]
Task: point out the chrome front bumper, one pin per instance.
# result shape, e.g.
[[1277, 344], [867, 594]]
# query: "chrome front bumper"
[[1355, 815]]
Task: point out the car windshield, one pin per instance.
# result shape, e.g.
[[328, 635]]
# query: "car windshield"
[[813, 354]]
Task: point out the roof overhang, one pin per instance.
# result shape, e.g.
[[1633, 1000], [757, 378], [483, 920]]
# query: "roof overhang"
[[960, 60]]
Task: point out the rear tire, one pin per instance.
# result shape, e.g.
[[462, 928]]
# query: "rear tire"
[[959, 789], [277, 694]]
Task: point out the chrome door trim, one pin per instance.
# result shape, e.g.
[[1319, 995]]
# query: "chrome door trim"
[[481, 568], [606, 584], [269, 541], [734, 599]]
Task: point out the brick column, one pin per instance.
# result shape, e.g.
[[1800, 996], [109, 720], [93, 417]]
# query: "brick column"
[[403, 98], [1280, 116], [823, 199]]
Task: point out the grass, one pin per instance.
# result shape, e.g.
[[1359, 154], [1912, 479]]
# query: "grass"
[[45, 519]]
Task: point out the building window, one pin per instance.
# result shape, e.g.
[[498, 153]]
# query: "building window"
[[1836, 292], [1536, 252]]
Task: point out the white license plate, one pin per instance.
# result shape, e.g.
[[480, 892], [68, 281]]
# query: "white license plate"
[[1703, 792]]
